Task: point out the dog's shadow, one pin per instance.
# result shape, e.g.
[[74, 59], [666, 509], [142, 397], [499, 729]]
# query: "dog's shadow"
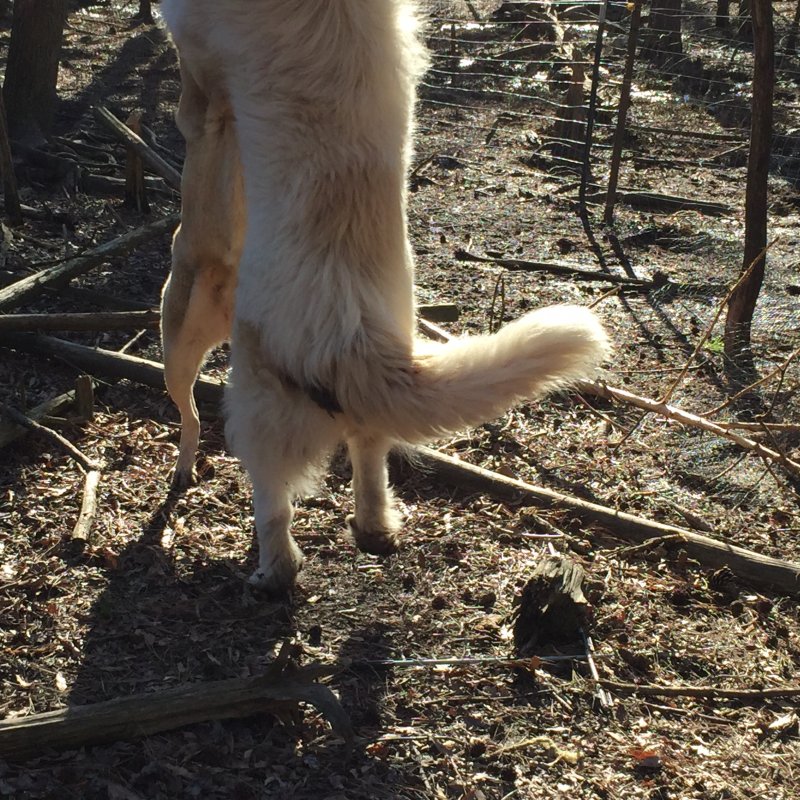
[[161, 622]]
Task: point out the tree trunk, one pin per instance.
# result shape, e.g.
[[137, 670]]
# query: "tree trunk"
[[743, 302], [664, 43], [145, 13], [32, 70], [723, 13]]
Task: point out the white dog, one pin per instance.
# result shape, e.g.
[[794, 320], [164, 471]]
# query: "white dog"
[[321, 94]]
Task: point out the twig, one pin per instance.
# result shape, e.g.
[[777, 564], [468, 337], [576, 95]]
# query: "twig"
[[665, 398], [11, 431], [761, 427], [687, 418], [83, 526], [473, 661], [100, 321], [603, 697], [21, 419], [711, 692]]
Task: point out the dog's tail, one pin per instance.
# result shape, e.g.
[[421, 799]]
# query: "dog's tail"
[[476, 378]]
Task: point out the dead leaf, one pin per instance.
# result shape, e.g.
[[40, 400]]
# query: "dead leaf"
[[645, 759]]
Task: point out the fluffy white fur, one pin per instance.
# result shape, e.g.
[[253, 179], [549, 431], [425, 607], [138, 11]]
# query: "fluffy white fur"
[[322, 95]]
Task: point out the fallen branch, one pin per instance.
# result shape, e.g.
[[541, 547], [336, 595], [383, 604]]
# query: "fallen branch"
[[278, 691], [56, 438], [134, 141], [106, 362], [100, 321], [652, 201], [11, 431], [710, 692], [59, 274], [753, 567], [83, 526], [556, 268], [690, 420]]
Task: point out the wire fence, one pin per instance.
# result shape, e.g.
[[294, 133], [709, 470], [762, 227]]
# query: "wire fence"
[[545, 82]]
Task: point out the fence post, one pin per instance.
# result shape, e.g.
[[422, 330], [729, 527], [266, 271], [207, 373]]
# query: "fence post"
[[743, 301], [622, 116], [587, 151]]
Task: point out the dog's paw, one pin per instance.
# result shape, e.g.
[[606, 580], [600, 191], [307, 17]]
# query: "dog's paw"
[[379, 541], [183, 478], [278, 575]]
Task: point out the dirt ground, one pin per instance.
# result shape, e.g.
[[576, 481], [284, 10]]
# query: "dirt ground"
[[158, 597]]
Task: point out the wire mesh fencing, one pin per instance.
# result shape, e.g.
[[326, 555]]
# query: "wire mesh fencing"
[[615, 136]]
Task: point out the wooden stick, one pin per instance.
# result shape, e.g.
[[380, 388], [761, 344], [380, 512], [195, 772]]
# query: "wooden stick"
[[277, 691], [622, 112], [711, 692], [135, 194], [757, 569], [83, 526], [57, 275], [148, 155], [100, 321], [555, 267]]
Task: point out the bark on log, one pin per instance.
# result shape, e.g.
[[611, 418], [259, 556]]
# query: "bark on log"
[[277, 691], [101, 321], [97, 361], [59, 274], [757, 569]]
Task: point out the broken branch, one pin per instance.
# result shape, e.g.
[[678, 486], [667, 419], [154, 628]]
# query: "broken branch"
[[277, 691], [135, 142], [712, 553], [59, 274], [100, 321]]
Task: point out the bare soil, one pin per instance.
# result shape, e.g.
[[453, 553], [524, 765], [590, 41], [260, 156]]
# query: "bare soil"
[[158, 597]]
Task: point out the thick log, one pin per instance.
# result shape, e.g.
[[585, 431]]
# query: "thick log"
[[59, 274], [756, 569], [97, 361], [277, 691], [101, 321], [133, 140]]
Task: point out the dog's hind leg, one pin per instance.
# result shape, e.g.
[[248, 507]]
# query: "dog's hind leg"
[[197, 302], [195, 315], [376, 521]]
